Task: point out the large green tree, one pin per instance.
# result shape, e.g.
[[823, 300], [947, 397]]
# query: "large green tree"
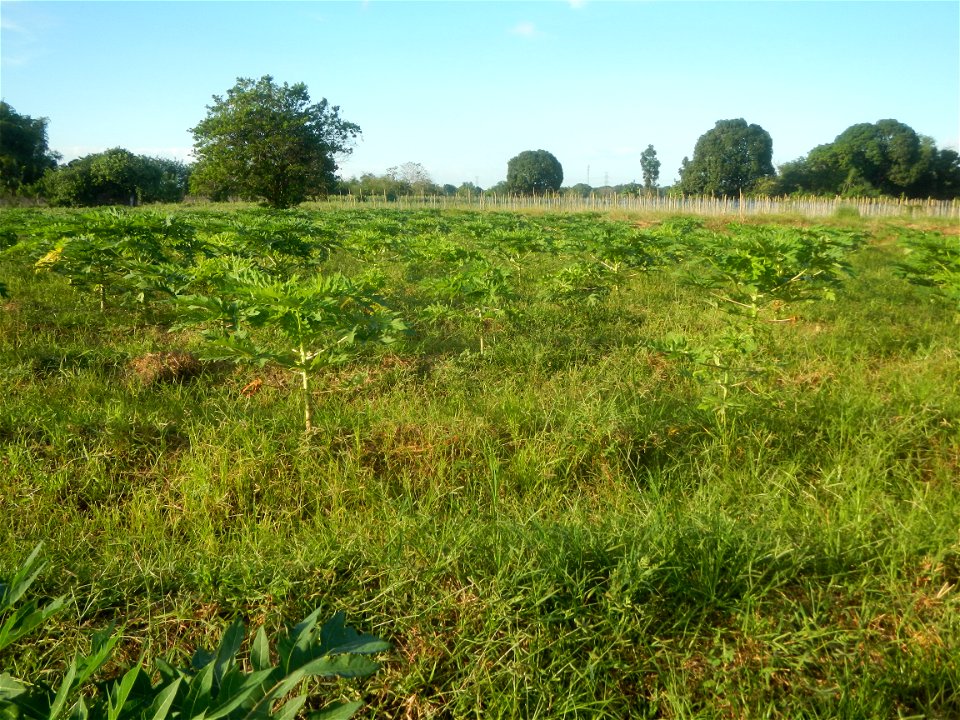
[[116, 177], [869, 159], [24, 155], [269, 142], [731, 158], [534, 172]]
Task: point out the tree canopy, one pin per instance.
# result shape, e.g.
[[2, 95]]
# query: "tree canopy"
[[267, 141], [882, 158], [24, 155], [534, 172], [731, 158], [116, 177]]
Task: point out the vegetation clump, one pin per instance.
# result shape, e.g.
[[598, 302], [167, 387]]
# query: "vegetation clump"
[[165, 367]]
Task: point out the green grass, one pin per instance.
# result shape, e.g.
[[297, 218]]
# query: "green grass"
[[564, 526]]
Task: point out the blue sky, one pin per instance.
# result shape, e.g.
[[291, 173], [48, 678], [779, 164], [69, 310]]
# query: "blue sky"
[[461, 87]]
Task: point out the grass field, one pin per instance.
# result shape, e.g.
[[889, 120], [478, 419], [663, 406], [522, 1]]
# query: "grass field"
[[587, 481]]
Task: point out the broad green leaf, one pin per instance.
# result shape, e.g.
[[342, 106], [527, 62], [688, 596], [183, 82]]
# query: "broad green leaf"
[[289, 710], [66, 686], [79, 710], [25, 619], [342, 666], [229, 647], [260, 651], [103, 644], [337, 711], [199, 696], [118, 693], [237, 696], [10, 687], [12, 591], [161, 705]]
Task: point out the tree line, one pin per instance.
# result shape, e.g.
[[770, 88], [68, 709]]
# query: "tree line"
[[268, 142]]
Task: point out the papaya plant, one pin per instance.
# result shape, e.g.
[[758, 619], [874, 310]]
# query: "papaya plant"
[[752, 273], [103, 249], [280, 242], [756, 270], [642, 250], [932, 260], [721, 367], [315, 323], [589, 283], [478, 291]]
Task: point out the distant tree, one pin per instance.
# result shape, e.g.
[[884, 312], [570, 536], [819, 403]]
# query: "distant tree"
[[534, 172], [449, 190], [266, 141], [580, 190], [413, 176], [174, 180], [729, 159], [820, 172], [370, 185], [501, 188], [469, 189], [24, 155], [944, 178], [650, 167], [116, 177], [886, 154], [883, 158]]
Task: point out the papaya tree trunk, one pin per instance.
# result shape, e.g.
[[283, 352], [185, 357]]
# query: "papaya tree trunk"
[[307, 405]]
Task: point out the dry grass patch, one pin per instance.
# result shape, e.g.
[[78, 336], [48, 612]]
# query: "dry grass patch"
[[165, 367]]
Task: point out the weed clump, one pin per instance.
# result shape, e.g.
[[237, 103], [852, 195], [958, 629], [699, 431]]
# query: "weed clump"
[[165, 367]]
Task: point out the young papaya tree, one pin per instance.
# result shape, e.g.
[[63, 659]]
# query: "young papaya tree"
[[932, 260], [757, 270], [753, 274], [478, 291], [282, 242], [316, 323], [104, 250], [582, 282]]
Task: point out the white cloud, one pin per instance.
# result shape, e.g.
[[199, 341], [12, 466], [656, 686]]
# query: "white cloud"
[[10, 26], [577, 4], [524, 29]]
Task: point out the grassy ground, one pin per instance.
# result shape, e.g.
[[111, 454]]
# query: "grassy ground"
[[569, 524]]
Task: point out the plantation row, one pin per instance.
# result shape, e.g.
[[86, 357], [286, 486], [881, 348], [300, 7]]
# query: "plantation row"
[[234, 274], [231, 274], [565, 465]]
